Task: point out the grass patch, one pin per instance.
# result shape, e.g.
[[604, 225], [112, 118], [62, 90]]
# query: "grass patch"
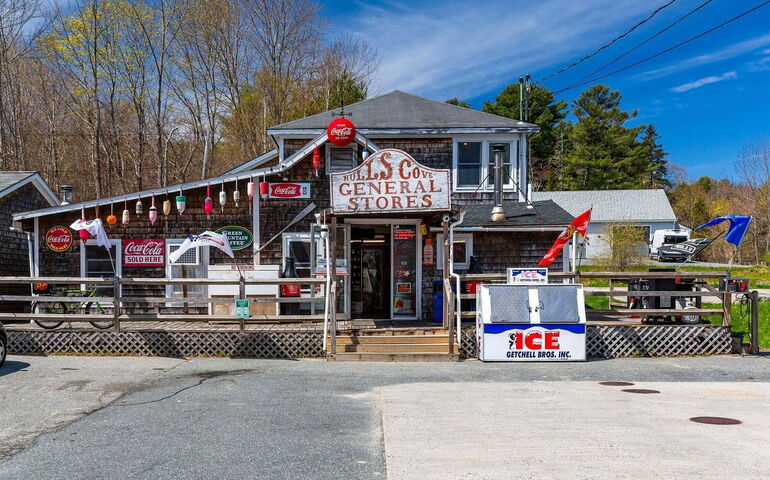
[[742, 321], [598, 303], [759, 276]]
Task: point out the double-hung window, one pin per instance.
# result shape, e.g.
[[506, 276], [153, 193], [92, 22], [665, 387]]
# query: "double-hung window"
[[474, 162], [192, 264]]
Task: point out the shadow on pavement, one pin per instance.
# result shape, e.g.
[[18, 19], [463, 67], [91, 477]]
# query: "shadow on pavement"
[[12, 366]]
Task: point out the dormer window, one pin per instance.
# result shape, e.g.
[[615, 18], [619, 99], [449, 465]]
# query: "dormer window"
[[341, 159]]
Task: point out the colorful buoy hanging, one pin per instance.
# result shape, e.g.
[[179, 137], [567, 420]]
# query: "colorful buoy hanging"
[[250, 188], [166, 206], [264, 189], [317, 161], [111, 218], [153, 211], [181, 202], [83, 233], [126, 215], [236, 194], [139, 208], [222, 198], [208, 203]]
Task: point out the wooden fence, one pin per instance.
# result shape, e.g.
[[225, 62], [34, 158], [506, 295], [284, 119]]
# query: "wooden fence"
[[115, 310]]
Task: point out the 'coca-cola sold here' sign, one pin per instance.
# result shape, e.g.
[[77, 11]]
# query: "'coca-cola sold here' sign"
[[289, 190], [144, 252], [390, 181]]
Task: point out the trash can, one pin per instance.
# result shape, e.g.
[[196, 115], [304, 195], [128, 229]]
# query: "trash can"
[[438, 301]]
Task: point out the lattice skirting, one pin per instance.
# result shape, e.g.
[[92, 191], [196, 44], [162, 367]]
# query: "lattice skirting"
[[606, 341], [169, 344]]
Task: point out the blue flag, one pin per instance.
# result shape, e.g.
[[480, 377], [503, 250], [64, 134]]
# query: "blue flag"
[[738, 226]]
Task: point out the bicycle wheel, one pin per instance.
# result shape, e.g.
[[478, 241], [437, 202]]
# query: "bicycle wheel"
[[47, 307], [97, 309]]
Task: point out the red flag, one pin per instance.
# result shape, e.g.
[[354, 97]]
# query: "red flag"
[[579, 225]]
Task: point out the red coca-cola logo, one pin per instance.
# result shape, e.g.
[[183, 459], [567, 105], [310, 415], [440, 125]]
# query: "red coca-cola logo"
[[58, 238], [144, 252], [341, 132], [290, 290], [285, 190]]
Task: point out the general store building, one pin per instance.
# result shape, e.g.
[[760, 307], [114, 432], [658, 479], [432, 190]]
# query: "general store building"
[[385, 271]]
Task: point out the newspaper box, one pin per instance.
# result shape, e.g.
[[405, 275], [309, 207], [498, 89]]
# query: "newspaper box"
[[541, 322]]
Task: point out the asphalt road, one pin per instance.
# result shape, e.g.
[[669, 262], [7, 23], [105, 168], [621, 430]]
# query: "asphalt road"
[[271, 419]]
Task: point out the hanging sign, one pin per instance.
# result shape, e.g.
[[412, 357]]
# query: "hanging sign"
[[341, 131], [289, 190], [58, 238], [239, 237], [144, 252], [390, 181]]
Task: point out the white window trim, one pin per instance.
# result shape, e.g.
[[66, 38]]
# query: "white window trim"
[[487, 162], [203, 257], [327, 151], [468, 237], [117, 260]]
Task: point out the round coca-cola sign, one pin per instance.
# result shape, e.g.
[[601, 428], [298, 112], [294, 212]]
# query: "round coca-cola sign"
[[58, 238], [341, 131]]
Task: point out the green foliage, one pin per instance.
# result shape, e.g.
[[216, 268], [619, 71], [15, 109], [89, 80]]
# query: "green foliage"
[[458, 102], [605, 154], [626, 247], [656, 158]]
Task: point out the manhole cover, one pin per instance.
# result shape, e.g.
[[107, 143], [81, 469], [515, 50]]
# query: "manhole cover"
[[716, 420], [616, 384], [639, 390]]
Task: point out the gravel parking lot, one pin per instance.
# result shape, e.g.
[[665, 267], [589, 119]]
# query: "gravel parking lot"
[[246, 418]]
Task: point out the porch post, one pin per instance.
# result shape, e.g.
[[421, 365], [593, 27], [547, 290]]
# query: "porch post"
[[333, 288], [445, 317]]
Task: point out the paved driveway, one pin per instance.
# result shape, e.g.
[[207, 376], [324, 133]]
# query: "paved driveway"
[[271, 419]]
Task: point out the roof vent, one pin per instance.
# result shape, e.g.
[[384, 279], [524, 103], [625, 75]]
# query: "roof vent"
[[66, 194]]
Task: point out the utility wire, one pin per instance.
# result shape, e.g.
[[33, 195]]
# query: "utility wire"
[[663, 51], [624, 34], [659, 32]]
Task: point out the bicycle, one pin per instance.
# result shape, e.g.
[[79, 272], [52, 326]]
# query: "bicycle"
[[84, 307]]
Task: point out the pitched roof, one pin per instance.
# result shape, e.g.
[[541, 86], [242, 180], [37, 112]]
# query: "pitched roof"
[[13, 180], [649, 205], [398, 110], [544, 213]]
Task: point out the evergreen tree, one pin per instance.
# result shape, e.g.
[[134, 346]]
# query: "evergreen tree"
[[656, 158], [548, 145], [458, 102], [605, 153]]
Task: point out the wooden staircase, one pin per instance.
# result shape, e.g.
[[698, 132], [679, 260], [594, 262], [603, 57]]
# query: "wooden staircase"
[[394, 345]]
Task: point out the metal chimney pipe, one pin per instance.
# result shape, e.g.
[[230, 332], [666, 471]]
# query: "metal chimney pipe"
[[498, 213], [521, 98], [526, 101], [66, 194]]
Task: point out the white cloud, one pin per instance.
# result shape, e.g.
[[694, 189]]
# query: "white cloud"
[[443, 49], [705, 81]]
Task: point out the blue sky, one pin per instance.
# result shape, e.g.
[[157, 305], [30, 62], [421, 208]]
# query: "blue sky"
[[707, 98]]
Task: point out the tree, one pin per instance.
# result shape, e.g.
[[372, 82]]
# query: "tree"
[[656, 158], [605, 153], [625, 245], [548, 146], [456, 101]]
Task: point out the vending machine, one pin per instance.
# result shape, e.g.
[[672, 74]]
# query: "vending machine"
[[539, 322]]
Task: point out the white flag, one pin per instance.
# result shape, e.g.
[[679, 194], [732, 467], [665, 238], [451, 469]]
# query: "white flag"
[[95, 228], [205, 239]]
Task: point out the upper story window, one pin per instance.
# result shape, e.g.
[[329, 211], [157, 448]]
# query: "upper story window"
[[341, 159], [474, 161]]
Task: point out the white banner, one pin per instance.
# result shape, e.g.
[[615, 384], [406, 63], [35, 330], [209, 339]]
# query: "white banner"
[[390, 181], [533, 343], [205, 239], [95, 228]]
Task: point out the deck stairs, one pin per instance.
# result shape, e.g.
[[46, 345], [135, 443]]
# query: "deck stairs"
[[393, 345]]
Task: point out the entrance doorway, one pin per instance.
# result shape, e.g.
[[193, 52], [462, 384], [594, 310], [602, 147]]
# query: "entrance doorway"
[[385, 274], [370, 275]]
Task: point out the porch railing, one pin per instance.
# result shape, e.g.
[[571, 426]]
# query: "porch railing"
[[117, 301]]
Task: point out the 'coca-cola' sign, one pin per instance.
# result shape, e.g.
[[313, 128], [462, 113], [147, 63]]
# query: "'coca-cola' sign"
[[289, 190], [341, 131], [58, 238], [144, 252]]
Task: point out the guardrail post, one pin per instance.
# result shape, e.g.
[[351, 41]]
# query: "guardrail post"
[[755, 322], [242, 296], [116, 296]]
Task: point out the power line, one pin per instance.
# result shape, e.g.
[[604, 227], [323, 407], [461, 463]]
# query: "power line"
[[624, 34], [663, 51], [659, 32]]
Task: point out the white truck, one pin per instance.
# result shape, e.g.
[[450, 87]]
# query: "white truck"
[[665, 237]]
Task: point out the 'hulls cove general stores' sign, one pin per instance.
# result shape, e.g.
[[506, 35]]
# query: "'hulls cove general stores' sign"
[[390, 181]]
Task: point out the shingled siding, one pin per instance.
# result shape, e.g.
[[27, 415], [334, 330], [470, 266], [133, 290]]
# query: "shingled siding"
[[14, 250]]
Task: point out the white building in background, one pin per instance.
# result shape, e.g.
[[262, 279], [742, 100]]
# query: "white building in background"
[[648, 209]]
